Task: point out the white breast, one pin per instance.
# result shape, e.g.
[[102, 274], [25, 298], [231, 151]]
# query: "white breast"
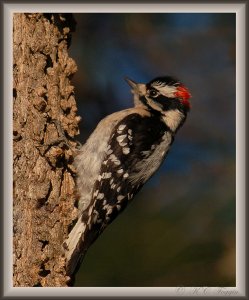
[[88, 161], [148, 166]]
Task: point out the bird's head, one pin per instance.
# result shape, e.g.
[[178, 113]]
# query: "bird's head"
[[161, 94]]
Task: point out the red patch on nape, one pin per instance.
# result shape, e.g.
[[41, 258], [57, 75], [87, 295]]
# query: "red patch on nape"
[[184, 94]]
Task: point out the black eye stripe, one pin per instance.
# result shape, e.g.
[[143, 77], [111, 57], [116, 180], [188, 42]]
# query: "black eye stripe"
[[153, 93]]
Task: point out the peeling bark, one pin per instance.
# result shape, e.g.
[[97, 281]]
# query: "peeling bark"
[[43, 108]]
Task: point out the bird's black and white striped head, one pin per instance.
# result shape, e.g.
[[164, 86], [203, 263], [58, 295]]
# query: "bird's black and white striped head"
[[161, 94]]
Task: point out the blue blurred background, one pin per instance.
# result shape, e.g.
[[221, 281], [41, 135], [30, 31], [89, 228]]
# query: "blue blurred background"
[[180, 229]]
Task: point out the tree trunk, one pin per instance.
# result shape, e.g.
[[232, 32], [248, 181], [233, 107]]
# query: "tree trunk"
[[43, 109]]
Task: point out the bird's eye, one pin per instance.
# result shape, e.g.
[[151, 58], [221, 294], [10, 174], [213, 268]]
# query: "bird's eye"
[[153, 93]]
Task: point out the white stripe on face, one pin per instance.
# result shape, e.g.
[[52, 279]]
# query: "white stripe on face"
[[165, 90]]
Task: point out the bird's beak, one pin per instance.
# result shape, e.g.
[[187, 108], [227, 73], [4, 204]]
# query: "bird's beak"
[[131, 83], [137, 88]]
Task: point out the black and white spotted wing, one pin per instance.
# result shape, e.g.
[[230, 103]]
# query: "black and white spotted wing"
[[130, 142]]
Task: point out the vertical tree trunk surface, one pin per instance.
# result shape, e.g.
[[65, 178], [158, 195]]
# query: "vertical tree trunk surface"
[[43, 175]]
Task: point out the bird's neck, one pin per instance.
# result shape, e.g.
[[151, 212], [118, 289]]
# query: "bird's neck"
[[173, 119]]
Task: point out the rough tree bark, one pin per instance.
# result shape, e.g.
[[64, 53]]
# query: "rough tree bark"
[[44, 184]]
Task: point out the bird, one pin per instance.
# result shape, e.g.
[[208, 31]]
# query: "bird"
[[120, 156]]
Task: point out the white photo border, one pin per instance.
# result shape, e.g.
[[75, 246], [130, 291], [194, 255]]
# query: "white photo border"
[[239, 8]]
